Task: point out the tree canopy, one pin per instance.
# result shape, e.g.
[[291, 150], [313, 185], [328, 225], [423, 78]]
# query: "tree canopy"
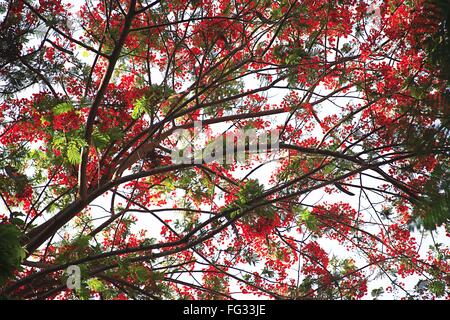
[[353, 203]]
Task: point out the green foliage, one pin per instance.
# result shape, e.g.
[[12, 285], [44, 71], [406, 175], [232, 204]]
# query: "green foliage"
[[62, 108], [73, 153], [13, 185], [266, 272], [296, 55], [11, 251], [304, 288], [148, 102], [142, 274], [196, 186], [70, 146], [376, 293], [437, 288], [95, 284], [17, 220], [140, 107], [438, 45], [433, 210], [304, 216], [227, 89], [246, 198], [250, 257], [100, 139], [79, 247]]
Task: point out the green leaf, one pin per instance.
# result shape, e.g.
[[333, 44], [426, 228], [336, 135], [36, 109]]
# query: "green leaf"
[[95, 284], [81, 242], [100, 139], [73, 153], [11, 251], [141, 274], [276, 13], [375, 293], [140, 107], [115, 133], [58, 140], [437, 287], [433, 209], [62, 108], [158, 276], [17, 221], [305, 216]]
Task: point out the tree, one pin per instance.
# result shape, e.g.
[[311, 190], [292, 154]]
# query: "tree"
[[93, 99]]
